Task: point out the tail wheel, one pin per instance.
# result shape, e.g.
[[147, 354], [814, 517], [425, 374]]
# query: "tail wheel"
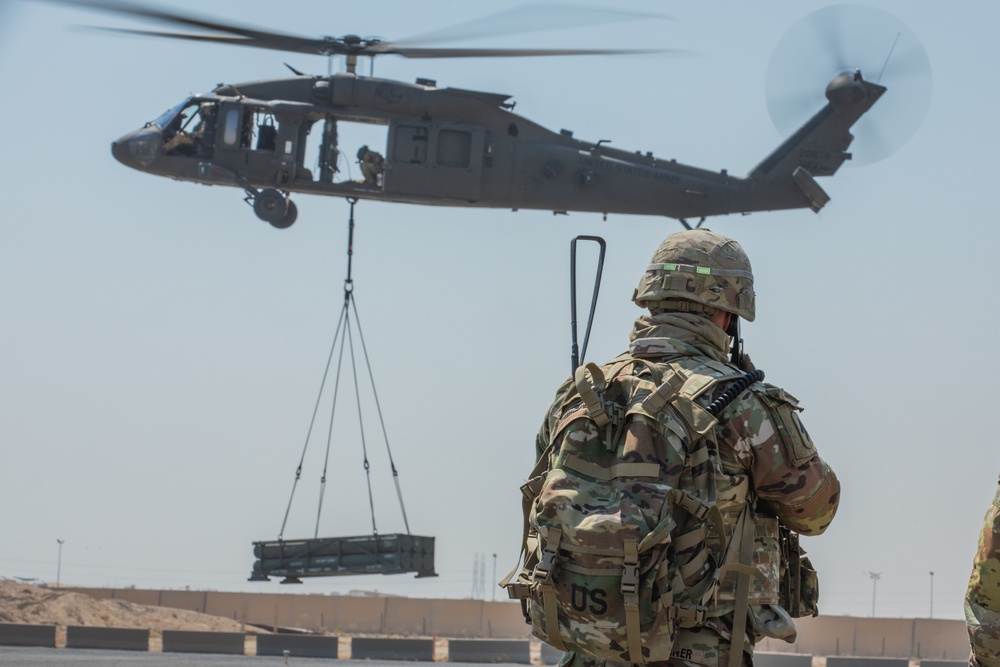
[[290, 215], [271, 205]]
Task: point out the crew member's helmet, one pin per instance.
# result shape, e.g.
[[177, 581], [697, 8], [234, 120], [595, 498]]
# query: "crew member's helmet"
[[698, 271], [362, 151]]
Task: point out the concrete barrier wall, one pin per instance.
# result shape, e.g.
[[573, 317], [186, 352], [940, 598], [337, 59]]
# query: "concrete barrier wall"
[[121, 639], [866, 662], [504, 619], [761, 659], [301, 646], [409, 616], [490, 650], [876, 637], [941, 640], [550, 655], [183, 641], [20, 634], [136, 596], [468, 619], [193, 600], [377, 648]]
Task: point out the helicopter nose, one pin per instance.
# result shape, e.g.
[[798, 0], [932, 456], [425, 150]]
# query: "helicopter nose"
[[138, 149]]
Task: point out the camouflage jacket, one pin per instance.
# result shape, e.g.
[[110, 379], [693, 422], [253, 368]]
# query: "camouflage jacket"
[[761, 441], [982, 600]]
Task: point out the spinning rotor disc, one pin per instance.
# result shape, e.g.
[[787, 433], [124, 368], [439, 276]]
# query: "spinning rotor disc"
[[850, 38]]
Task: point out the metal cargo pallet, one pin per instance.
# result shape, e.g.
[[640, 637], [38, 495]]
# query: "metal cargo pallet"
[[395, 553]]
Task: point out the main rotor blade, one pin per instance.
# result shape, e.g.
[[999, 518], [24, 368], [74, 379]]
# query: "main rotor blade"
[[262, 38], [311, 46], [502, 53], [239, 35], [527, 18]]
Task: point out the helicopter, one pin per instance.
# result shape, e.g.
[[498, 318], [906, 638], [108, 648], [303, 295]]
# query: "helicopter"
[[449, 146]]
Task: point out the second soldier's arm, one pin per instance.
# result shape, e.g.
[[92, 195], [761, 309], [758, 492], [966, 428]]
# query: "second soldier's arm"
[[982, 599]]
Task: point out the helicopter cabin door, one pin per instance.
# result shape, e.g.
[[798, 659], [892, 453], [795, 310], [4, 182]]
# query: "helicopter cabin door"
[[254, 144], [434, 160]]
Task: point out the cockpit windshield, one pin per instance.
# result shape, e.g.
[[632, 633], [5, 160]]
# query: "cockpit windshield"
[[169, 115]]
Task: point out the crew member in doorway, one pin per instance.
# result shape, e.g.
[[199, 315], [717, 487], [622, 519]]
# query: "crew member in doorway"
[[372, 166]]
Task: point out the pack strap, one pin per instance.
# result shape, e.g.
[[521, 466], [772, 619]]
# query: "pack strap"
[[586, 390], [603, 474], [687, 616], [630, 594], [668, 389], [691, 568], [543, 579], [529, 491], [745, 528]]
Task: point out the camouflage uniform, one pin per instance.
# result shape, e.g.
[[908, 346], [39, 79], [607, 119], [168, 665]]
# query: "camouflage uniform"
[[982, 600], [768, 462], [762, 441]]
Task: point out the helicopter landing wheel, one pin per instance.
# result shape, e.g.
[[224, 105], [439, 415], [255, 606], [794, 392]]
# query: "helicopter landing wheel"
[[270, 205], [290, 215]]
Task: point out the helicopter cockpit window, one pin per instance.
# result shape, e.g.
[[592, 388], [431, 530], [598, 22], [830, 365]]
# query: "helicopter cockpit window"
[[169, 115], [454, 148], [191, 132]]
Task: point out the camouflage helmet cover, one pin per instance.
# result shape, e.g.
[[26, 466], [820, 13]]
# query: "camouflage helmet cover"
[[698, 266]]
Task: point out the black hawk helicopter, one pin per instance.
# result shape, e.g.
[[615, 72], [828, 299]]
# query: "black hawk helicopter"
[[448, 146]]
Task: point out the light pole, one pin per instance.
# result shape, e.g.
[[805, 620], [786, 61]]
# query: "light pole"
[[932, 593], [494, 578], [874, 576], [59, 563]]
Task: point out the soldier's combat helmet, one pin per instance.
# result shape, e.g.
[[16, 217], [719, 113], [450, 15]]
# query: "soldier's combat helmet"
[[698, 266]]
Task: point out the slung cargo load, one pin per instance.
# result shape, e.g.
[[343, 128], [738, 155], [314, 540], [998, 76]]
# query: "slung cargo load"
[[394, 553]]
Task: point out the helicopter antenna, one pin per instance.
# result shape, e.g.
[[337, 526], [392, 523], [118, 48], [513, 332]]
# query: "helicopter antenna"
[[886, 63]]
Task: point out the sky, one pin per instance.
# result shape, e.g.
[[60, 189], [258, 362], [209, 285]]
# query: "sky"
[[162, 348]]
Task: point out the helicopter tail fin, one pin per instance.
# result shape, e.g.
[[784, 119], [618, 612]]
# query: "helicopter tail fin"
[[819, 147]]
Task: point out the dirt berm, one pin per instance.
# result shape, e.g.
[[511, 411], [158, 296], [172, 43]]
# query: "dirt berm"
[[25, 603]]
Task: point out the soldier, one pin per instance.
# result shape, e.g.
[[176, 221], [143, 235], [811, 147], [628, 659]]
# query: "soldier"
[[697, 286], [372, 166], [982, 600]]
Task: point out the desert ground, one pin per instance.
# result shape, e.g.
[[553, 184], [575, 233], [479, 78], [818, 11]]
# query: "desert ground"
[[40, 605]]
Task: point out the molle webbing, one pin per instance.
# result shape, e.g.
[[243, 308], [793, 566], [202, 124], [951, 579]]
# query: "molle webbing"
[[617, 470]]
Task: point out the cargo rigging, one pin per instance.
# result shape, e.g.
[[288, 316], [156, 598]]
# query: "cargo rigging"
[[335, 556]]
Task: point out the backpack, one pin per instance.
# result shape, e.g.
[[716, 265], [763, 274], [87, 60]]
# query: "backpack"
[[618, 551]]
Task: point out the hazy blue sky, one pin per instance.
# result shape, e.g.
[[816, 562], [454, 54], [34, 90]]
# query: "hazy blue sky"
[[161, 348]]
